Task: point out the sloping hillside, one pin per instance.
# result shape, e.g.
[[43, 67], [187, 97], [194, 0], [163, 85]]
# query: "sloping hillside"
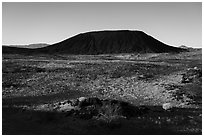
[[106, 42]]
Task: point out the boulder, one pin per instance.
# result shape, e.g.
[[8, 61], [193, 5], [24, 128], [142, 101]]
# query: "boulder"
[[167, 106], [82, 99]]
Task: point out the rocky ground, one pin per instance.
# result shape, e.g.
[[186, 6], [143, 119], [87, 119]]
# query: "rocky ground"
[[102, 94]]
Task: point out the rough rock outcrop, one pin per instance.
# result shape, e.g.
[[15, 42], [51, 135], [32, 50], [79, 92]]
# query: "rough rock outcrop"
[[192, 75]]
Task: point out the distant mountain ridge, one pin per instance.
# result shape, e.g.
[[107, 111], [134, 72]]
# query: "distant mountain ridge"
[[189, 48], [36, 45], [107, 42]]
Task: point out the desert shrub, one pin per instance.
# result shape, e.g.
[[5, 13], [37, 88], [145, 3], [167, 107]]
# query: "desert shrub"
[[108, 110]]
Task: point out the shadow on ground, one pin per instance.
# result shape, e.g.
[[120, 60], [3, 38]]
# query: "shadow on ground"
[[154, 120]]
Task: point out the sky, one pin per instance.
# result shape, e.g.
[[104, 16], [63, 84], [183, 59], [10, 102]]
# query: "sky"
[[172, 23]]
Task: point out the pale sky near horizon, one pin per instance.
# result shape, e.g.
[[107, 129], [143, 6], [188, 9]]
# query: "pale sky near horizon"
[[173, 23]]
